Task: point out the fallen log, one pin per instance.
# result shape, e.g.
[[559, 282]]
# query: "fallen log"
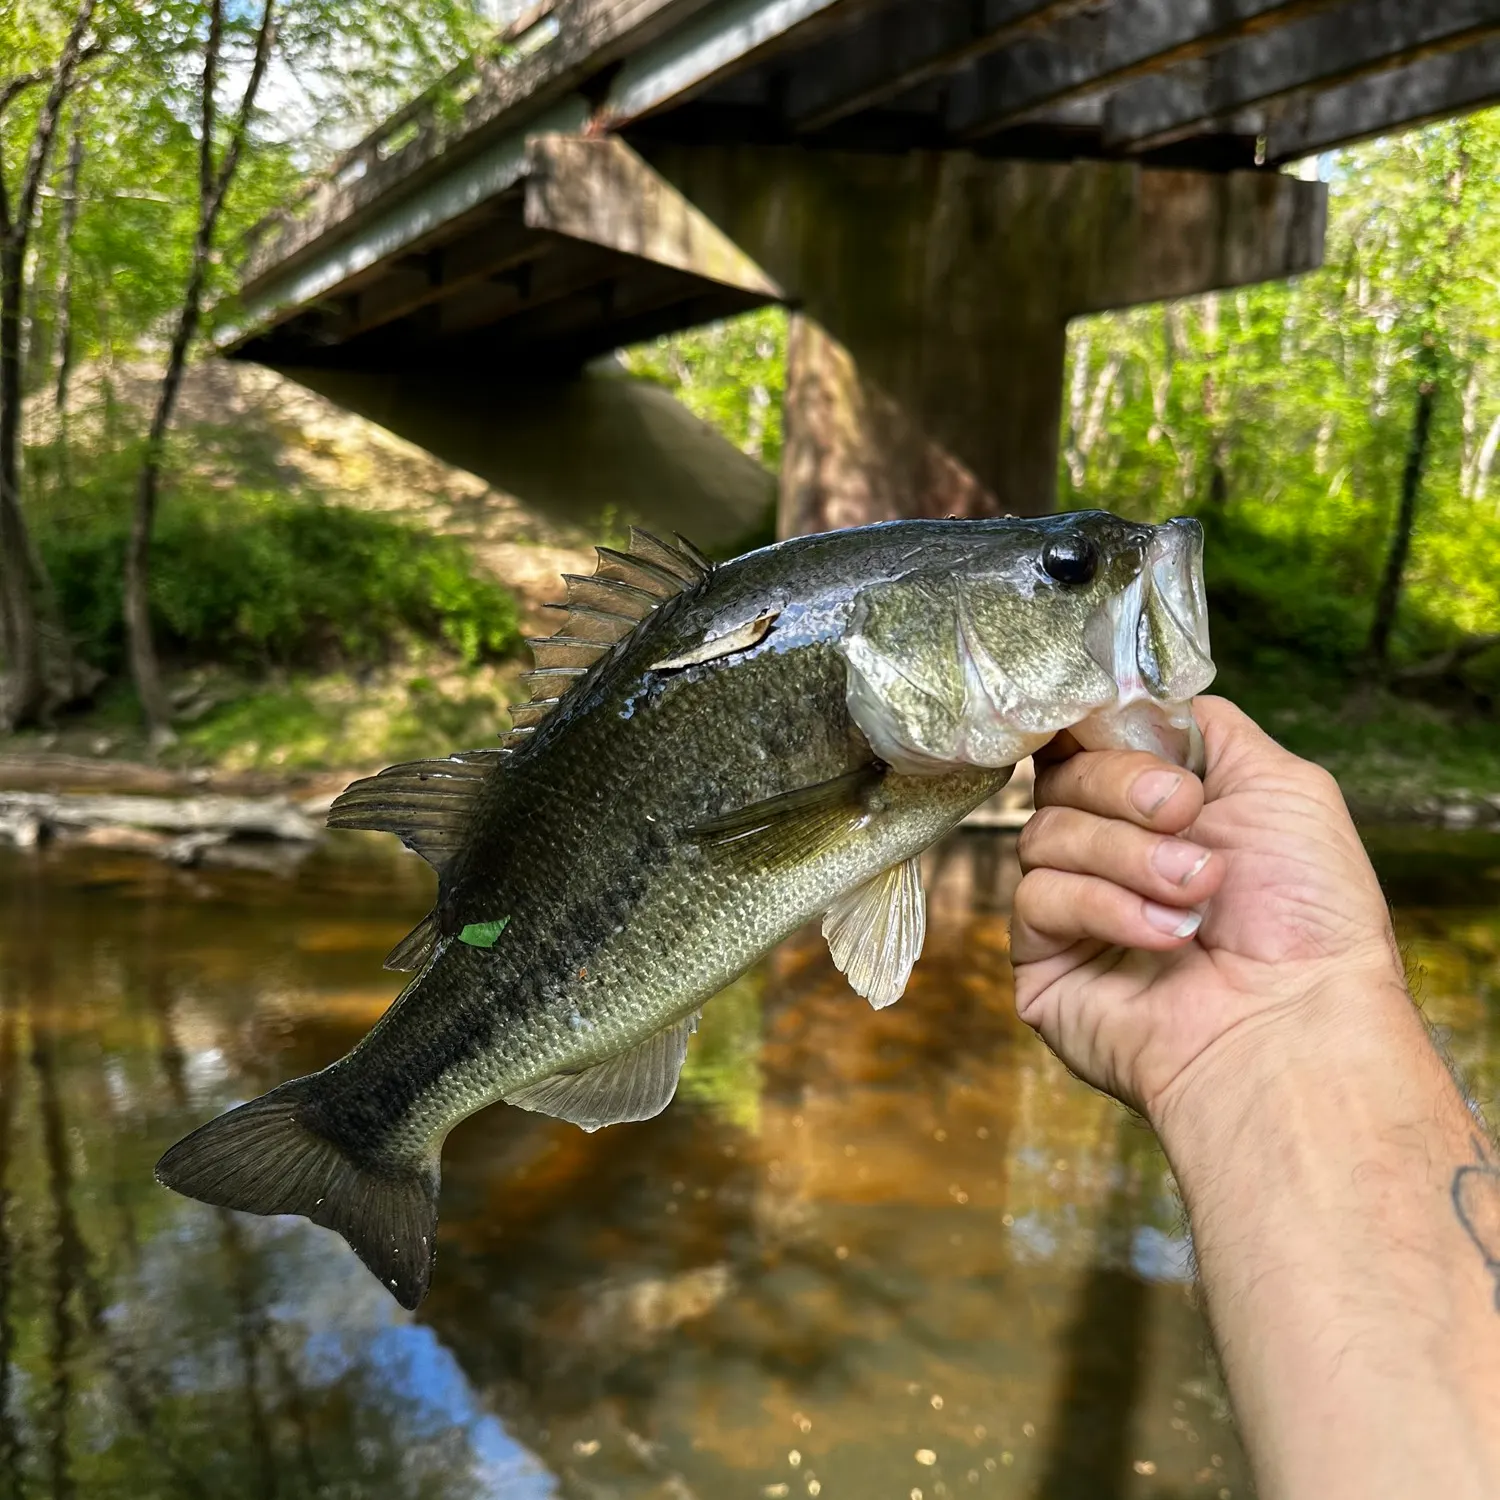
[[1447, 661], [27, 817]]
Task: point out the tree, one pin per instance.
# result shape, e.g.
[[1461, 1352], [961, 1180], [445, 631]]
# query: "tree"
[[1435, 248], [1338, 432], [372, 49], [215, 177], [43, 673]]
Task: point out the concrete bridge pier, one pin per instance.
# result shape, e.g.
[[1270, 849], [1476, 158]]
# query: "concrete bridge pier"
[[933, 292]]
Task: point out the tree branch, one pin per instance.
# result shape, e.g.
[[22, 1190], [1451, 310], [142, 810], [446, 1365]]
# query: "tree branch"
[[1446, 661], [265, 38], [46, 125], [12, 88], [210, 84]]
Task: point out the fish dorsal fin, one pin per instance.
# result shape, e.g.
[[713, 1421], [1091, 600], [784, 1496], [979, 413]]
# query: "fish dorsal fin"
[[636, 1085], [603, 609], [427, 804], [875, 932]]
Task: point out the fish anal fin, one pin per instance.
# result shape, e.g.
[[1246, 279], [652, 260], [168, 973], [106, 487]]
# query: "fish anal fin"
[[636, 1085], [427, 804], [264, 1159], [794, 826], [875, 932]]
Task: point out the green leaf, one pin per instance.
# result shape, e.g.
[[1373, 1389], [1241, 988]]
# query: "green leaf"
[[483, 934]]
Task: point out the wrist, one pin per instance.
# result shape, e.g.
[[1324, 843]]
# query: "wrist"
[[1315, 1147], [1339, 1032]]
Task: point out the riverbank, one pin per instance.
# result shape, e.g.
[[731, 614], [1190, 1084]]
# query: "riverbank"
[[251, 778]]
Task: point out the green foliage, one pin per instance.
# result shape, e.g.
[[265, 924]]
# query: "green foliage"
[[1282, 415], [339, 68], [262, 577], [312, 721], [731, 374]]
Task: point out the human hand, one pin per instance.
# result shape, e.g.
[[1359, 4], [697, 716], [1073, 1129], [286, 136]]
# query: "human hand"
[[1161, 921]]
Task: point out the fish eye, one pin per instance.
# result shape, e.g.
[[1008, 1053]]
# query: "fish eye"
[[1071, 560]]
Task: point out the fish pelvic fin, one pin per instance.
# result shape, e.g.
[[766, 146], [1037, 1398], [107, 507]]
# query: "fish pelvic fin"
[[875, 932], [262, 1158]]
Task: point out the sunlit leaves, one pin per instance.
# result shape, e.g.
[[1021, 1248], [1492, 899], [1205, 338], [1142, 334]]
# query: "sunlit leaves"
[[1300, 395]]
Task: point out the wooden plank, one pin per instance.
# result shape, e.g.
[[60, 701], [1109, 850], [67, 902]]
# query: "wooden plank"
[[591, 35], [598, 190], [1101, 48], [901, 47], [604, 316], [444, 272], [572, 268], [1452, 83], [395, 230], [1326, 50], [724, 37]]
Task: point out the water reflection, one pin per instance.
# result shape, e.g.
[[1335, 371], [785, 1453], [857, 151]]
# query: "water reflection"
[[898, 1254]]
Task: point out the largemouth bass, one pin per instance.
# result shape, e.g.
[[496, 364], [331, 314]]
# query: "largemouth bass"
[[715, 756]]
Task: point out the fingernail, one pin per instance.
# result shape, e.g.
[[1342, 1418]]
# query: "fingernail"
[[1152, 789], [1173, 921], [1177, 860]]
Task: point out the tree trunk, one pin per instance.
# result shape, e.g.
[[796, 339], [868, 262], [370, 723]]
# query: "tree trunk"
[[43, 671], [1486, 460], [213, 188], [65, 287], [1411, 484], [144, 666], [23, 699]]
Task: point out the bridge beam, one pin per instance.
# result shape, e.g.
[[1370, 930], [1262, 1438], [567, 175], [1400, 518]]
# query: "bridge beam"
[[934, 292]]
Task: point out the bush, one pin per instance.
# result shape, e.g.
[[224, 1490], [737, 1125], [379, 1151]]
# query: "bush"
[[262, 579]]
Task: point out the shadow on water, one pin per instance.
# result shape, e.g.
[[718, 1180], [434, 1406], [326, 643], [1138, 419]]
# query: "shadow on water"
[[1104, 1352], [867, 1255]]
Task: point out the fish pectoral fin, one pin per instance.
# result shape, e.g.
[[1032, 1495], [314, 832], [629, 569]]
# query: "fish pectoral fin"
[[636, 1085], [875, 932], [794, 826]]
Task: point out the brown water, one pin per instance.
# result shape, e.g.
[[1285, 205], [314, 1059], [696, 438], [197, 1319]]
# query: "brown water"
[[862, 1256]]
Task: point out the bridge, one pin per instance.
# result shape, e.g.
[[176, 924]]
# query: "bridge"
[[934, 186]]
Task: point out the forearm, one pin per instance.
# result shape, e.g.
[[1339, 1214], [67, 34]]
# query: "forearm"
[[1343, 1256]]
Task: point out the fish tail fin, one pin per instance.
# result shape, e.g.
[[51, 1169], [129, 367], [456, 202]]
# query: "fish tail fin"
[[264, 1158]]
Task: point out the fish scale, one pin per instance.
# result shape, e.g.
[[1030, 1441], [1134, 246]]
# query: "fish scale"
[[740, 749]]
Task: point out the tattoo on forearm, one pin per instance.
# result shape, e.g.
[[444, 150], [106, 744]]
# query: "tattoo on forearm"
[[1476, 1201]]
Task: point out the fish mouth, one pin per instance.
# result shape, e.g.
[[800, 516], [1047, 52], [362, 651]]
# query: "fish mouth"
[[1153, 639]]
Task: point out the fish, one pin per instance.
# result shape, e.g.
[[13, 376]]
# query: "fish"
[[714, 755]]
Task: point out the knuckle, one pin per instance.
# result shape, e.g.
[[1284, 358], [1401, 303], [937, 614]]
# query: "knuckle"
[[1323, 784], [1039, 829], [1031, 898]]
